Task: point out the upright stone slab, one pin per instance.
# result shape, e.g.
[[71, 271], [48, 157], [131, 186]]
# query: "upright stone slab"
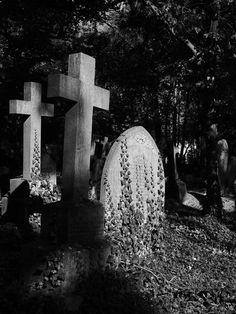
[[79, 87], [133, 189], [35, 109], [48, 168], [175, 188], [222, 156], [97, 165]]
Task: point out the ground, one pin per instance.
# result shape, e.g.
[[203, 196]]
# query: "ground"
[[192, 271]]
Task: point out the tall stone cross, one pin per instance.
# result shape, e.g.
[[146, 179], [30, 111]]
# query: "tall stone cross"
[[79, 87], [33, 107]]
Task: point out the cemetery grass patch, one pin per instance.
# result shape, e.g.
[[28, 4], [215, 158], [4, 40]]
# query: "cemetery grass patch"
[[192, 271]]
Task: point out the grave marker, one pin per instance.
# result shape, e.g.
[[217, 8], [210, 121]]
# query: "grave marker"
[[33, 107], [133, 188], [222, 158], [175, 187], [100, 152], [79, 87]]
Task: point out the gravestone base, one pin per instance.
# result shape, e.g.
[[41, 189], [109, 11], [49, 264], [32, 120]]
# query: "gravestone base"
[[15, 184], [74, 223], [17, 204], [85, 222], [54, 222], [49, 221]]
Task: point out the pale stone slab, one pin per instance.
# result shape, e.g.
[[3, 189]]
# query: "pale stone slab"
[[79, 87], [33, 107], [222, 156], [228, 204], [192, 201], [15, 184], [133, 176]]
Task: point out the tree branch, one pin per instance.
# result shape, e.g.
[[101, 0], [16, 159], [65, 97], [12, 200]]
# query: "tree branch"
[[187, 42]]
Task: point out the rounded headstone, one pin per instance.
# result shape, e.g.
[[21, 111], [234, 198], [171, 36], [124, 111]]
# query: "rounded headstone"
[[133, 190]]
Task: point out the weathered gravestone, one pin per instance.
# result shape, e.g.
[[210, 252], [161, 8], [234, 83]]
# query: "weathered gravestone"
[[79, 87], [222, 158], [85, 220], [35, 109], [175, 187], [98, 160], [133, 191]]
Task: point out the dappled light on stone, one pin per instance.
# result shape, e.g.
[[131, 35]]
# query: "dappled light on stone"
[[132, 191]]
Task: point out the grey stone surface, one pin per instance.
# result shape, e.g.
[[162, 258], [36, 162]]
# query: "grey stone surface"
[[133, 175], [222, 157], [33, 107], [78, 86], [175, 187], [191, 201], [85, 221]]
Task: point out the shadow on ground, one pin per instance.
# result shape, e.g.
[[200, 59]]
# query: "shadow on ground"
[[47, 283]]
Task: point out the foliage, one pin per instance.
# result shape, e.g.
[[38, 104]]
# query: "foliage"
[[134, 227], [42, 188], [163, 59], [192, 271], [170, 66]]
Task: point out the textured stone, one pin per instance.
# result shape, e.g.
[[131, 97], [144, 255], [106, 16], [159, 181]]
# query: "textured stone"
[[133, 167], [86, 222], [222, 156], [33, 107], [175, 187], [133, 181], [191, 201], [78, 86]]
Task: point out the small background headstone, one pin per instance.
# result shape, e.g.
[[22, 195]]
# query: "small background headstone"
[[97, 163], [175, 187], [222, 158]]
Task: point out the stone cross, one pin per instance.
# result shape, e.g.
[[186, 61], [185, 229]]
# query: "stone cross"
[[33, 107], [79, 87]]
